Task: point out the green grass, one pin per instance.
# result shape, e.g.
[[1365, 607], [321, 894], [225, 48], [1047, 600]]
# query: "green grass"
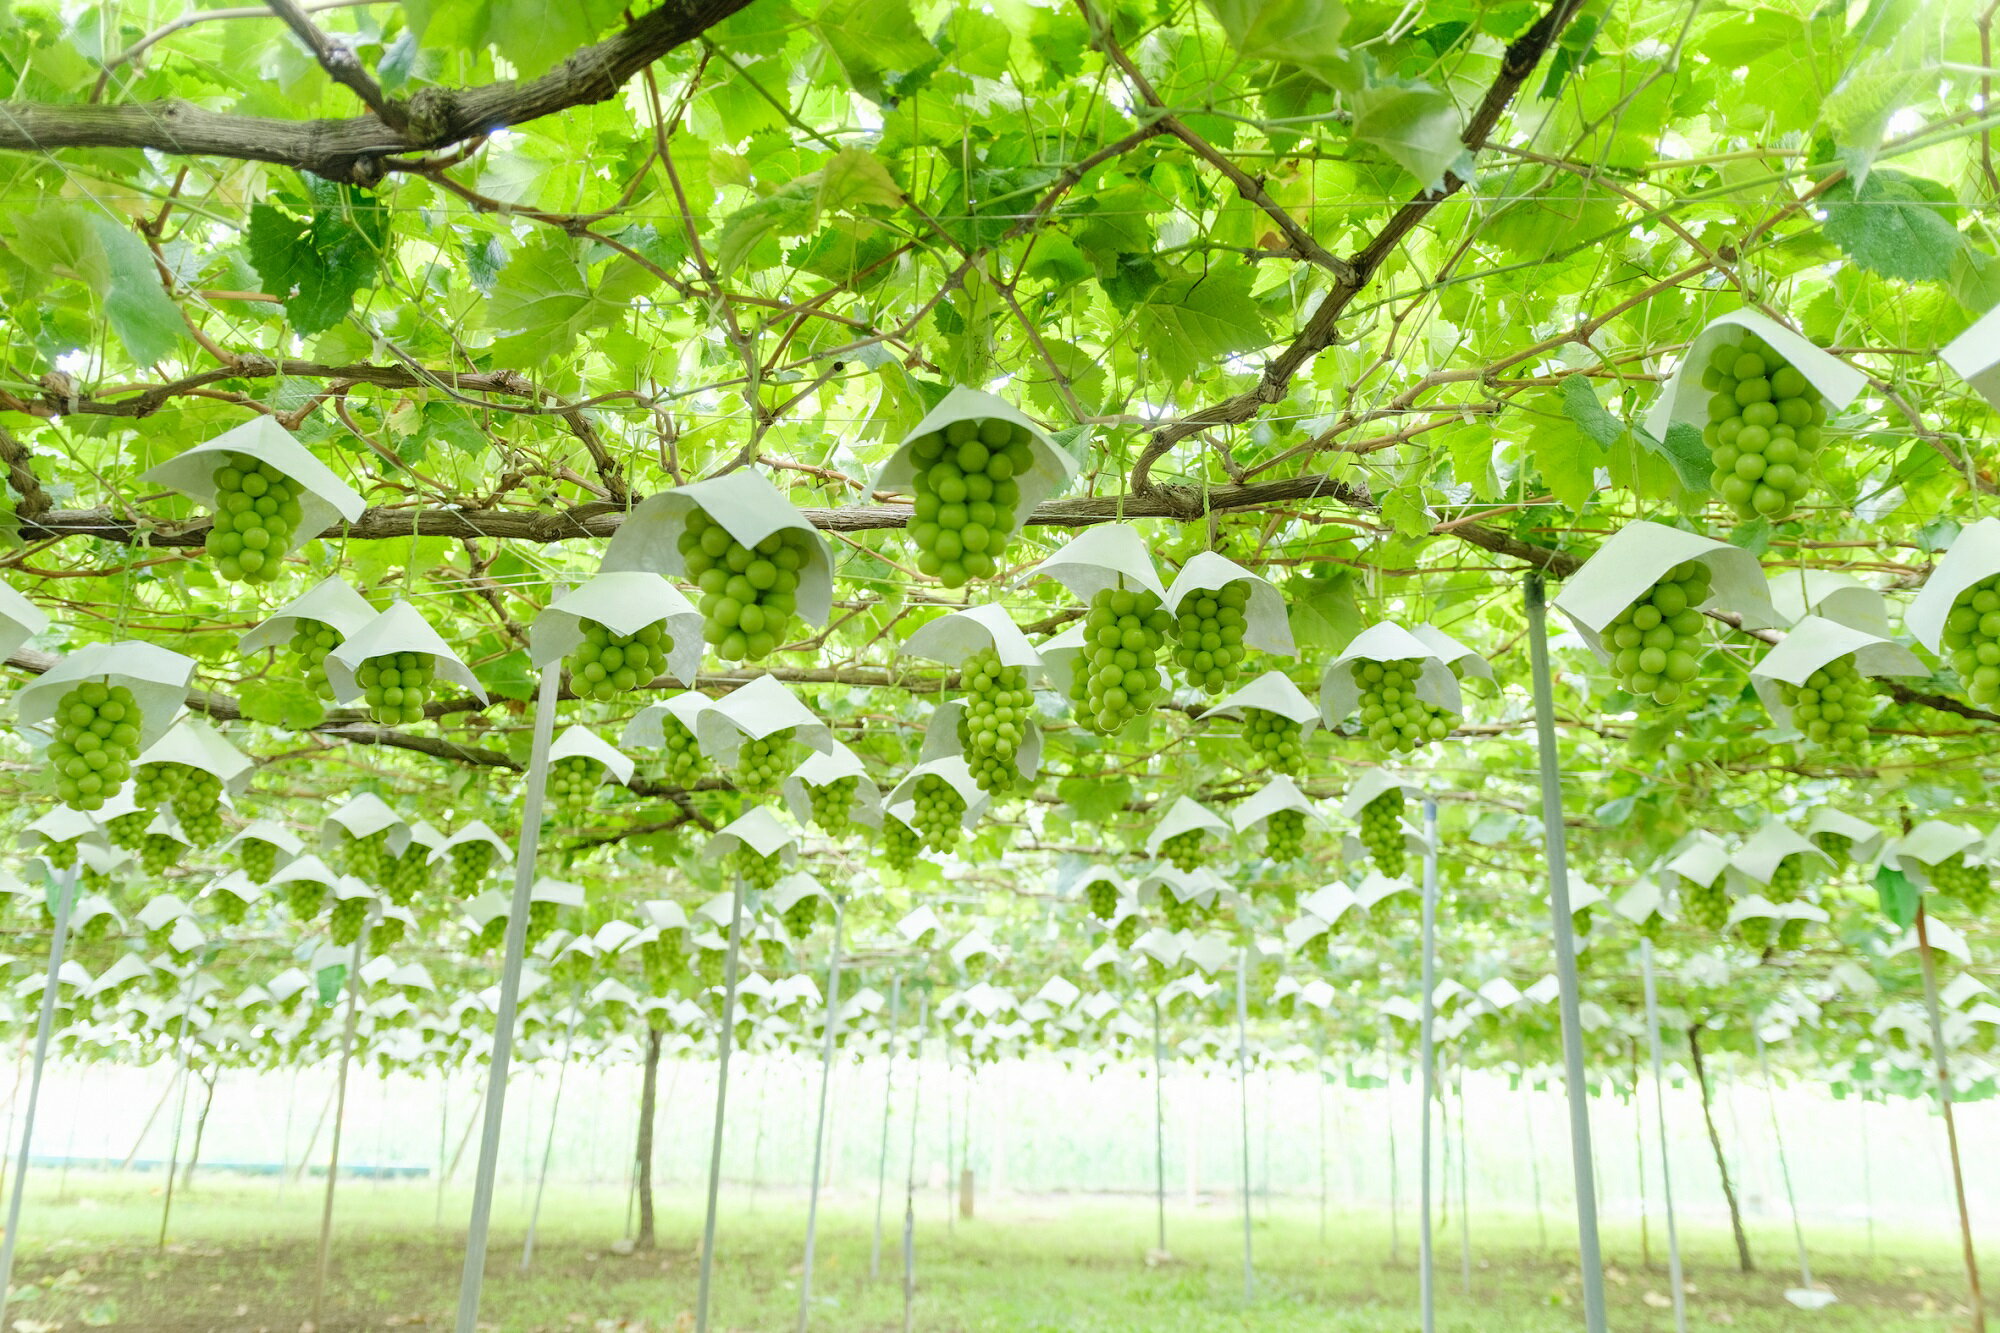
[[239, 1258]]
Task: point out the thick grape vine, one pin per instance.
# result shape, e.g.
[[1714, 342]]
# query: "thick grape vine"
[[1118, 675], [396, 686], [257, 514], [1764, 421], [994, 719], [1655, 642], [1381, 831], [97, 732], [748, 594], [1391, 713]]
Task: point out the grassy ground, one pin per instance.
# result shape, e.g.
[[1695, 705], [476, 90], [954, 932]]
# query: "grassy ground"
[[242, 1259]]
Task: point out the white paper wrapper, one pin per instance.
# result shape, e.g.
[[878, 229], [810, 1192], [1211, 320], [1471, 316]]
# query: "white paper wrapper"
[[1933, 841], [1974, 555], [359, 817], [972, 945], [663, 914], [20, 620], [558, 891], [1812, 644], [476, 831], [1329, 903], [488, 905], [1366, 788], [941, 739], [307, 869], [63, 824], [747, 506], [1633, 560], [1700, 861], [400, 629], [756, 828], [1266, 624], [781, 897], [901, 800], [1867, 839], [1974, 356], [917, 924], [755, 711], [821, 769], [287, 842], [1798, 593], [1377, 887], [1461, 659], [1301, 931], [1209, 952], [1183, 816], [1640, 902], [1683, 398], [624, 602], [331, 602], [1386, 642], [125, 968], [158, 680], [1059, 654], [1757, 860], [1274, 693], [192, 741], [1111, 555], [580, 742], [957, 635], [324, 499], [1052, 473], [347, 886], [645, 730]]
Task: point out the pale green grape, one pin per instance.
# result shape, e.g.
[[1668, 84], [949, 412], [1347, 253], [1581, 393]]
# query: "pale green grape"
[[1276, 741], [967, 494], [1381, 831], [681, 752], [758, 871], [748, 594], [604, 665], [543, 916], [833, 804], [97, 730], [938, 812], [407, 874], [994, 719], [1391, 713], [1764, 429], [901, 844], [1656, 642], [1705, 906], [573, 782], [1833, 706], [1184, 849], [396, 685], [304, 898], [257, 515], [1972, 640], [158, 852], [258, 858], [762, 762], [128, 831], [312, 640]]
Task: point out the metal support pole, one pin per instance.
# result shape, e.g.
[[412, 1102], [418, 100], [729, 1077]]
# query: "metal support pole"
[[1784, 1165], [832, 1025], [726, 1041], [1159, 1129], [910, 1190], [535, 789], [180, 1103], [1589, 1256], [44, 1024], [1319, 1076], [333, 1150], [1427, 1056], [888, 1099], [1464, 1187], [1660, 1115], [548, 1145], [1243, 1106], [1389, 1096]]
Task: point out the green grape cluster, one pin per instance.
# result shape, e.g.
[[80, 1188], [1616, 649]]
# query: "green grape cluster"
[[256, 516], [1126, 933], [59, 855], [1705, 906], [604, 665], [1276, 741], [387, 934], [1655, 642], [762, 762], [833, 804], [158, 852], [994, 722], [570, 970], [663, 961], [203, 828], [1101, 897], [97, 730], [1381, 831], [711, 967], [1107, 975], [493, 934], [680, 752], [1184, 849], [901, 844], [471, 863], [543, 917], [96, 929], [349, 916], [1118, 676], [1832, 707], [1836, 845], [396, 686], [368, 858], [1788, 879], [312, 640], [1764, 427], [573, 780], [1285, 835], [1972, 640], [937, 813], [760, 872], [304, 898], [1971, 884], [407, 874], [966, 496], [1391, 713], [258, 858], [1208, 636], [128, 831], [1179, 914], [155, 785], [1314, 949], [1283, 892], [227, 908], [748, 593], [803, 915]]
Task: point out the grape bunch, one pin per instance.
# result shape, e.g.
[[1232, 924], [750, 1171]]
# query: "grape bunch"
[[349, 916], [759, 871], [471, 863], [1208, 636], [1285, 835], [1381, 831], [304, 898], [312, 640], [748, 593], [154, 784], [1118, 677], [493, 934], [680, 751], [256, 516], [1831, 708], [1179, 913], [258, 858], [710, 967], [994, 721], [1126, 932], [1655, 641], [1314, 948], [1183, 849], [1836, 845], [202, 827], [573, 780], [937, 812], [901, 844], [1107, 974], [604, 665], [1972, 640], [59, 855], [1705, 906], [803, 915], [542, 919], [128, 831], [761, 762], [367, 858], [1283, 892], [1275, 740], [407, 874], [663, 961], [1101, 897], [227, 907], [1763, 429], [97, 729], [833, 804], [396, 686], [1391, 713], [387, 934], [1972, 885], [966, 496], [158, 852]]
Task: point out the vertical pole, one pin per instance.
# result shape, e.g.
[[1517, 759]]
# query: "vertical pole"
[[1660, 1117], [1243, 1106], [548, 1144], [1534, 1153], [1867, 1172], [888, 1099], [534, 790], [1784, 1166], [1639, 1154], [1319, 1088], [910, 1189], [444, 1140], [1389, 1096], [1950, 1122], [44, 1024], [819, 1126], [1464, 1187], [726, 1040], [339, 1114], [180, 1107], [1588, 1255], [285, 1141], [1427, 1056], [1159, 1129], [950, 1144]]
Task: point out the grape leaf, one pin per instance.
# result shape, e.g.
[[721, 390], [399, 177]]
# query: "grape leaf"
[[1418, 126], [140, 311], [1305, 33], [1897, 896], [1568, 457], [1188, 322], [316, 265], [1896, 225], [283, 703], [879, 44]]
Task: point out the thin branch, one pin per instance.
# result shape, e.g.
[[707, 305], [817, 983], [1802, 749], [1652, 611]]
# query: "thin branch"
[[339, 61]]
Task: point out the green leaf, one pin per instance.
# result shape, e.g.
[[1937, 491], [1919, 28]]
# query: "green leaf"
[[789, 212], [879, 44], [855, 179], [1897, 895], [141, 313], [328, 981], [1568, 458], [1188, 323], [1686, 451], [1403, 505], [1305, 33], [317, 265], [1581, 405], [1418, 126], [1094, 800], [1896, 225], [546, 299], [283, 703], [535, 34]]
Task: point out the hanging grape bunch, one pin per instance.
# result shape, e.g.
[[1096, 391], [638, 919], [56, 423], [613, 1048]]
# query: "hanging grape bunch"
[[128, 831], [1788, 882], [157, 852], [937, 812], [304, 898], [759, 871], [1285, 835], [256, 516], [368, 858], [1972, 641], [1101, 897], [543, 916], [1391, 713], [1654, 927], [803, 915], [1276, 741], [1381, 831], [407, 874], [994, 721], [1971, 884], [1118, 677], [1655, 642], [258, 858], [1838, 846], [386, 935], [471, 863], [1184, 849], [901, 844], [59, 855], [493, 933], [761, 762], [1208, 636], [1705, 906], [1283, 892], [748, 594], [709, 966], [96, 928], [967, 493], [1179, 913], [1832, 707], [604, 665], [663, 961], [349, 916], [227, 907], [396, 686], [1314, 949], [1107, 973], [571, 969], [312, 640], [573, 780], [97, 729], [1763, 430], [1126, 932], [680, 752], [833, 804]]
